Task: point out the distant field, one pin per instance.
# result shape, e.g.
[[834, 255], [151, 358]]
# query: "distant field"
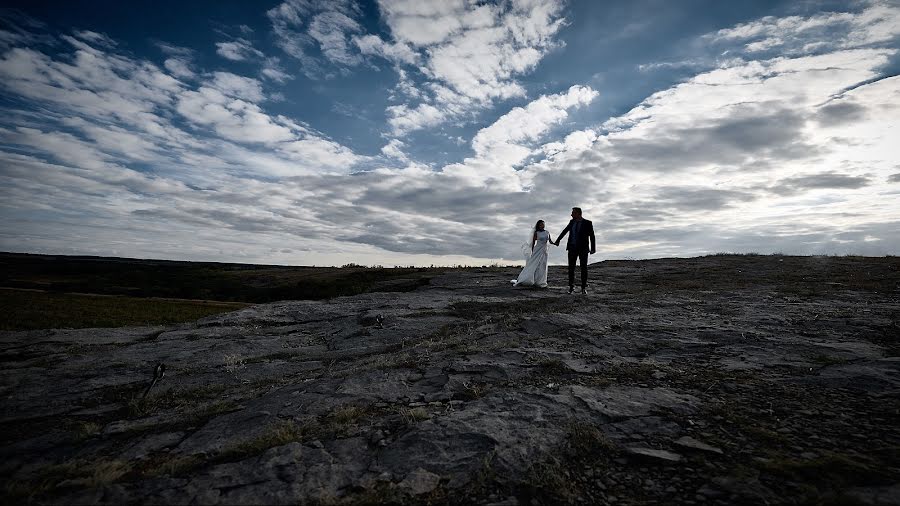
[[58, 286], [30, 310]]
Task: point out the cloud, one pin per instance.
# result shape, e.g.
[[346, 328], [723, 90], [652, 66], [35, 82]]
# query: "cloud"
[[237, 50], [236, 86], [398, 52], [94, 38], [472, 54], [879, 22], [272, 70], [304, 28], [179, 68], [839, 112], [394, 149], [174, 50], [821, 181], [120, 110], [529, 123], [765, 151], [666, 201], [404, 119], [233, 119], [18, 28], [465, 55]]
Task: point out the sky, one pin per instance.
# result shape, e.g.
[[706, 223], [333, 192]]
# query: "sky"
[[412, 132]]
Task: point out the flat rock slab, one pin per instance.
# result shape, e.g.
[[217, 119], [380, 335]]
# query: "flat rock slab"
[[693, 444], [772, 385], [652, 454]]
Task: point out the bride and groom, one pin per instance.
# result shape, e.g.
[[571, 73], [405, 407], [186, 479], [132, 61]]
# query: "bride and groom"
[[581, 235]]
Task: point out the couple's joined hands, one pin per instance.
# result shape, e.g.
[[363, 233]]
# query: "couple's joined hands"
[[556, 243]]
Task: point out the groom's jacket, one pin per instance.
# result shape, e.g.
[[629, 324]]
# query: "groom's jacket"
[[585, 234]]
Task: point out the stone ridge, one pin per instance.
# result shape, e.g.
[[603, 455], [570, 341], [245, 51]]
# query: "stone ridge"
[[718, 380]]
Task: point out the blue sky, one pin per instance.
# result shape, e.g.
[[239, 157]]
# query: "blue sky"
[[412, 132]]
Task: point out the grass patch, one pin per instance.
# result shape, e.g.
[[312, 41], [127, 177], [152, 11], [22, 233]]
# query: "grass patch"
[[553, 366], [85, 430], [830, 468], [174, 466], [174, 398], [26, 310], [71, 474], [202, 280], [826, 360], [587, 441], [414, 415], [549, 482], [473, 391], [347, 414], [279, 433]]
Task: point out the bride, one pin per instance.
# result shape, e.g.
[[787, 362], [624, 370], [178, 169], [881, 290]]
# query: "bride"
[[535, 271]]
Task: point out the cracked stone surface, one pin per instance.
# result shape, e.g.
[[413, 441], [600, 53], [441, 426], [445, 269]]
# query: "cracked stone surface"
[[715, 380]]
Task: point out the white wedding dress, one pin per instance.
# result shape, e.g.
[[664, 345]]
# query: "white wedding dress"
[[535, 271]]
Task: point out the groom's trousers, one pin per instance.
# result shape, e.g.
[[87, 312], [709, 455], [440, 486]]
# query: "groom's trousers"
[[578, 255]]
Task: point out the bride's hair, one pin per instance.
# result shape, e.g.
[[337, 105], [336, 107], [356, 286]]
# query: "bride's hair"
[[538, 223]]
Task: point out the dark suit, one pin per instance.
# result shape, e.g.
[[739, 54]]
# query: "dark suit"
[[583, 240]]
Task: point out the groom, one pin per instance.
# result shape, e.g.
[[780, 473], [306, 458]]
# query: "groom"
[[580, 231]]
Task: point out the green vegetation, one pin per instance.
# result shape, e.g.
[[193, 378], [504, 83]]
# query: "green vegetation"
[[43, 291], [26, 310], [831, 468], [201, 280]]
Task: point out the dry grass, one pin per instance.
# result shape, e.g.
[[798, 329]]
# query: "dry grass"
[[473, 391], [85, 430], [414, 415], [173, 398], [347, 414], [553, 366], [585, 440], [279, 433]]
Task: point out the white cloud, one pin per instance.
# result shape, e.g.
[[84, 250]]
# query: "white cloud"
[[472, 53], [122, 108], [174, 50], [394, 149], [237, 50], [792, 152], [300, 26], [469, 54], [879, 22], [237, 86], [432, 22], [179, 68], [331, 30], [234, 119], [396, 52], [404, 119], [272, 70], [528, 124], [768, 155], [94, 38]]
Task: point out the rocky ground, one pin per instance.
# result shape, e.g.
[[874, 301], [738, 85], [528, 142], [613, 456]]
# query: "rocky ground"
[[715, 380]]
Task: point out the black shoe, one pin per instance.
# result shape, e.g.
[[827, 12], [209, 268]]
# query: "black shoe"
[[571, 289], [584, 291]]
